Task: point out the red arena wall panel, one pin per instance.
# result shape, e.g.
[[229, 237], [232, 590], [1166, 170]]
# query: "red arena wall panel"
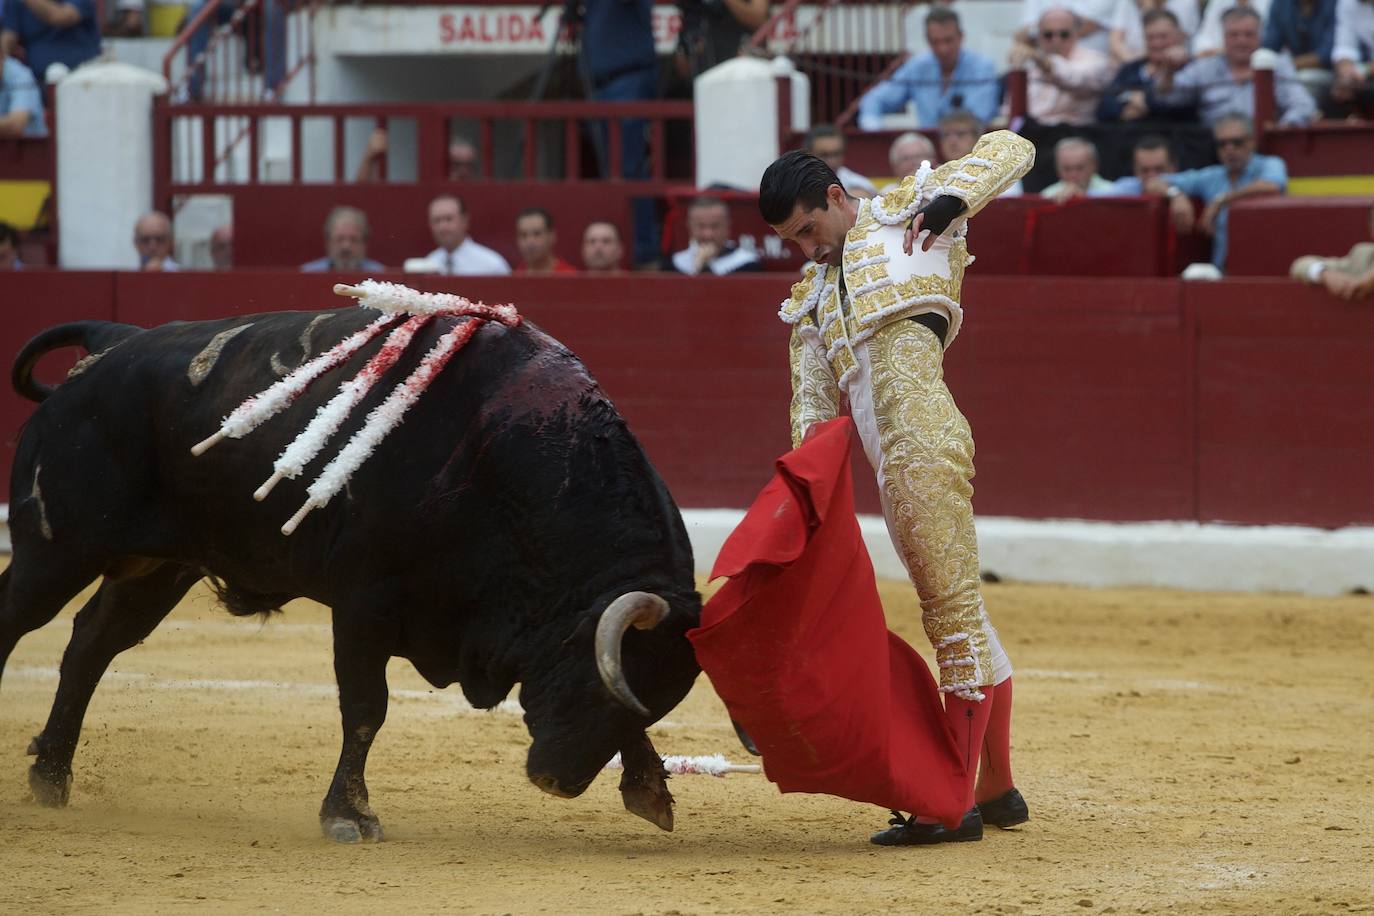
[[1285, 393], [1242, 401], [1268, 233], [1077, 391]]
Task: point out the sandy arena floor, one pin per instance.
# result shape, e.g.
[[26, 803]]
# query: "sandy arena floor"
[[1179, 751]]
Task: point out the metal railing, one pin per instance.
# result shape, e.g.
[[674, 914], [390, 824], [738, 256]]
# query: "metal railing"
[[304, 144], [843, 46], [243, 51]]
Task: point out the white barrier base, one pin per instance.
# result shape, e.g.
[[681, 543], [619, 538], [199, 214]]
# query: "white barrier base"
[[1187, 555], [1159, 554]]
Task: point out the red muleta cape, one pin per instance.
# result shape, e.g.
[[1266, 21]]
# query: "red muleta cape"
[[797, 646]]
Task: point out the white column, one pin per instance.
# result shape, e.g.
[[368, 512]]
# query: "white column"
[[104, 162], [737, 119]]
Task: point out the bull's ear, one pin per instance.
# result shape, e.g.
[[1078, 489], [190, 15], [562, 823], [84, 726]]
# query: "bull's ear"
[[586, 626]]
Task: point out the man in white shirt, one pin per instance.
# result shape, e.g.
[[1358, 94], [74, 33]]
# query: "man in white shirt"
[[710, 253], [457, 252]]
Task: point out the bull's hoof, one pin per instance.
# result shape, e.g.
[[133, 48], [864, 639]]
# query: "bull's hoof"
[[50, 791], [654, 804], [362, 829]]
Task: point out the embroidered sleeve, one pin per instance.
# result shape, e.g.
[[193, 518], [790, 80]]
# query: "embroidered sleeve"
[[815, 393], [997, 162]]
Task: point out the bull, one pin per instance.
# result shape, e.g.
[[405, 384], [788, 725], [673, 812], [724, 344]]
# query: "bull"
[[511, 530]]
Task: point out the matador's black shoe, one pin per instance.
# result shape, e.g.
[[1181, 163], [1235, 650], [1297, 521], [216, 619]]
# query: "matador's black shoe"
[[745, 740], [1006, 810], [909, 832]]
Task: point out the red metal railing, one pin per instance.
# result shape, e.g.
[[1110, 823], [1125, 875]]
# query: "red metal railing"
[[843, 46], [234, 66], [530, 140]]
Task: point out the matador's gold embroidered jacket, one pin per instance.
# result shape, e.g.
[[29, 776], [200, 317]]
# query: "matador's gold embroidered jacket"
[[885, 284], [860, 349]]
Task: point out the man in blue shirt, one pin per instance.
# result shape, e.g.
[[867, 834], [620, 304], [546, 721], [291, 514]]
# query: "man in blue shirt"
[[51, 32], [943, 79], [21, 103], [1242, 173], [1225, 82]]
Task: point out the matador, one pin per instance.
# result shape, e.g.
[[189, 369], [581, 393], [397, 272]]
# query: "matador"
[[870, 321]]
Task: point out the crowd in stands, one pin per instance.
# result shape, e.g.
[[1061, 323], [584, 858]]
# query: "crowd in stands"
[[1089, 63]]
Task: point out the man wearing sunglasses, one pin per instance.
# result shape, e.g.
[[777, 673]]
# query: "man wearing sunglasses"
[[153, 242], [1242, 173], [1066, 78]]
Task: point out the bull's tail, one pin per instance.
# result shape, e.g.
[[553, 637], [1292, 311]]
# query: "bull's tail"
[[93, 336]]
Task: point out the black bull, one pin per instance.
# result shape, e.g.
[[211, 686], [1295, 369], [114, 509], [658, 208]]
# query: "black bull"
[[482, 541]]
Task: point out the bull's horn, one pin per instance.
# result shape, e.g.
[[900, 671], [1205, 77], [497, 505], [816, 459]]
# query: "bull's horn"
[[639, 609]]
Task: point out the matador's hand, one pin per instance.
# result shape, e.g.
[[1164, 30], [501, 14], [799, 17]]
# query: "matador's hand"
[[934, 217]]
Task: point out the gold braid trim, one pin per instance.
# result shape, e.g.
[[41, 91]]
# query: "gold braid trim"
[[998, 161], [815, 393]]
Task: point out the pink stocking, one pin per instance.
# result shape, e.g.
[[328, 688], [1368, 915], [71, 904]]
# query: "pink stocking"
[[994, 778]]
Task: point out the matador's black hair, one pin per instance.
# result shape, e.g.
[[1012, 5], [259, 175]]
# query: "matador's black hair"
[[794, 178]]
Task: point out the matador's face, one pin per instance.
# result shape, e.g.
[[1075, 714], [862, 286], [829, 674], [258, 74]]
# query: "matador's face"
[[820, 232]]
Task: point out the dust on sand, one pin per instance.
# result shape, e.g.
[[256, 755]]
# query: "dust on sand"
[[1179, 751]]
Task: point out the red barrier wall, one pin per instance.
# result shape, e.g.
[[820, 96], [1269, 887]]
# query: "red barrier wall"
[[1285, 404], [1267, 234], [1243, 401]]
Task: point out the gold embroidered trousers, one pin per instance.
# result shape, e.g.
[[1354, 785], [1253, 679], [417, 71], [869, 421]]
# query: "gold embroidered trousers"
[[922, 450]]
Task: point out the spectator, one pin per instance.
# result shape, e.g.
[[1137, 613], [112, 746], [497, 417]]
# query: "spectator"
[[222, 247], [9, 248], [345, 243], [128, 19], [462, 161], [1151, 158], [602, 250], [1305, 30], [1350, 277], [826, 143], [944, 78], [959, 132], [710, 250], [273, 42], [906, 155], [50, 32], [1131, 96], [535, 238], [714, 31], [153, 241], [1127, 40], [621, 64], [1076, 162], [462, 158], [1093, 21], [457, 252], [1353, 54], [1225, 83], [1065, 77], [21, 101], [1242, 173], [1210, 37]]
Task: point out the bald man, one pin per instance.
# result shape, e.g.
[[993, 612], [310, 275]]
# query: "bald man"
[[153, 242]]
